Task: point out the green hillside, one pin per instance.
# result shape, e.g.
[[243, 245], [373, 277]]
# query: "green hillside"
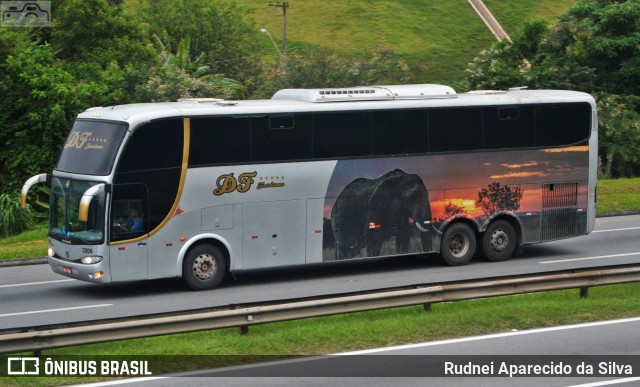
[[436, 37]]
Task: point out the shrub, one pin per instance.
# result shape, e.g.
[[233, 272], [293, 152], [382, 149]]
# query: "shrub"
[[13, 218]]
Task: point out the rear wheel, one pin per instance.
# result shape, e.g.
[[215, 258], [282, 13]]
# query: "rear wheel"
[[458, 244], [204, 267], [499, 241]]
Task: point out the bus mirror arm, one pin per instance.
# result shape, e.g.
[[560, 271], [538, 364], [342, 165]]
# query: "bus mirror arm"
[[41, 178], [87, 197]]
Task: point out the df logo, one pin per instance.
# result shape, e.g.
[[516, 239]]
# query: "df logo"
[[228, 183], [77, 140]]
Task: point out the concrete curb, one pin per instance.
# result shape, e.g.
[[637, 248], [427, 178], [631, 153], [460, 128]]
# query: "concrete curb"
[[42, 260], [617, 213], [23, 261]]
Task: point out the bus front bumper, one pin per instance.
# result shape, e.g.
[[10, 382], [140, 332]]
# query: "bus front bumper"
[[97, 273]]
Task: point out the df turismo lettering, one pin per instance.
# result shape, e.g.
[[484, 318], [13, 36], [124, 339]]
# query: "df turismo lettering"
[[229, 183]]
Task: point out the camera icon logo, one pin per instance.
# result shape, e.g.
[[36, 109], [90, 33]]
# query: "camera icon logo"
[[23, 366], [25, 13]]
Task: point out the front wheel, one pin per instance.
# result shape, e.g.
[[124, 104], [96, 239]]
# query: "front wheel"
[[458, 244], [203, 267], [499, 241]]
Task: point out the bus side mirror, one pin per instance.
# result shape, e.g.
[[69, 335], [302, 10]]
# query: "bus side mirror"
[[87, 197], [41, 178]]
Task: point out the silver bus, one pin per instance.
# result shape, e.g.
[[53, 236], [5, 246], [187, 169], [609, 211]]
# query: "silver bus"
[[201, 187]]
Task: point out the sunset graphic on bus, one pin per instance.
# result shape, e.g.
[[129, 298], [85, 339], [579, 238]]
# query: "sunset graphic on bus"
[[472, 185]]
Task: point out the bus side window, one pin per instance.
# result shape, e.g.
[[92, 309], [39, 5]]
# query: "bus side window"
[[129, 212], [281, 137], [341, 134], [220, 140], [399, 132], [455, 129], [562, 124], [507, 127]]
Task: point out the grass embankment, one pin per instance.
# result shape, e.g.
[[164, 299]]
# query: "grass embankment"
[[437, 38], [618, 195], [613, 195], [370, 329], [28, 244]]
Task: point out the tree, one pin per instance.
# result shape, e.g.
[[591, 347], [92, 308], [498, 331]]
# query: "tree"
[[218, 28], [40, 101], [594, 48], [603, 35], [179, 76], [94, 34], [323, 69], [619, 135], [450, 210], [496, 197]]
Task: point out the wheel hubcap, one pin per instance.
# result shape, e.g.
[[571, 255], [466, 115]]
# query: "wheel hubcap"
[[459, 245], [204, 267], [499, 240]]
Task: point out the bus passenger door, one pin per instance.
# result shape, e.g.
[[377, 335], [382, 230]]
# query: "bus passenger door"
[[129, 232]]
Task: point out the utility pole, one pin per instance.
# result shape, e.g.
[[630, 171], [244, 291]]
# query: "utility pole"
[[284, 5]]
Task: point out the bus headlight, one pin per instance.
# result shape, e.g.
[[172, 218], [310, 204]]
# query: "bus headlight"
[[91, 260], [50, 252]]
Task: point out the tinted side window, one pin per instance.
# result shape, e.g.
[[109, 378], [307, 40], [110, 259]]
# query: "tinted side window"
[[508, 127], [341, 134], [455, 129], [562, 124], [281, 137], [400, 132], [220, 140], [155, 145], [152, 158]]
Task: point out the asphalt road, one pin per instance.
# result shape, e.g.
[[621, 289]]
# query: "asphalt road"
[[34, 295], [593, 354]]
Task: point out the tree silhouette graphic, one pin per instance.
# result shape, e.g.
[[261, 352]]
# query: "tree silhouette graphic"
[[496, 197]]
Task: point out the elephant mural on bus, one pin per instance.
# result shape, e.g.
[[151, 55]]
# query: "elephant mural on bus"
[[369, 212]]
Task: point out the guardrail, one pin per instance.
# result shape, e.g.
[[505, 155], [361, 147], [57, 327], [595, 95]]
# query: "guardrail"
[[37, 339]]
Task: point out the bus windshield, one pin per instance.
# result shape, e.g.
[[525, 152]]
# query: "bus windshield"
[[91, 147], [64, 208]]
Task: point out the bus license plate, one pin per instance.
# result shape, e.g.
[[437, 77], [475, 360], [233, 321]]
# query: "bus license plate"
[[67, 270]]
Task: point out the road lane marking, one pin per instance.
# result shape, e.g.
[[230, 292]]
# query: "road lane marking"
[[36, 283], [491, 336], [590, 258], [54, 310], [607, 382], [617, 229]]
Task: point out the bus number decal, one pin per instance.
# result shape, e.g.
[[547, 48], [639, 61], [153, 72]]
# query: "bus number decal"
[[228, 183]]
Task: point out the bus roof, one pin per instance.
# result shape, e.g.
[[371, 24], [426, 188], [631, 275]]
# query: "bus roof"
[[334, 99]]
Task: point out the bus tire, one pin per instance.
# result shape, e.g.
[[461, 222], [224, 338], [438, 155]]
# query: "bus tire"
[[499, 241], [204, 267], [458, 244]]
